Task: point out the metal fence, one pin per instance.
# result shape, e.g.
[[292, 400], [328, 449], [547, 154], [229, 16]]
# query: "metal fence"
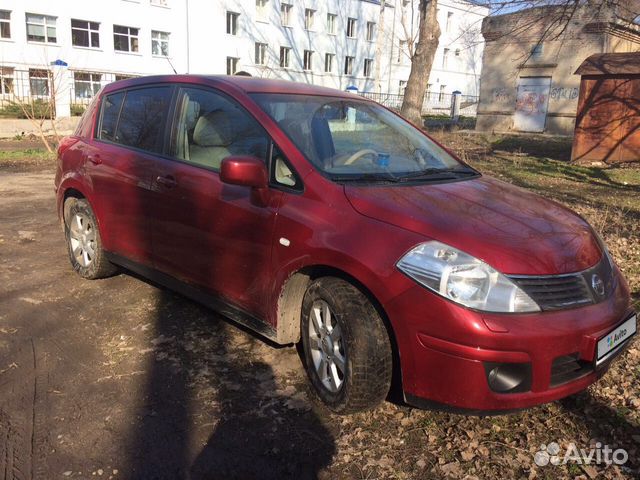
[[85, 85], [20, 88], [435, 103]]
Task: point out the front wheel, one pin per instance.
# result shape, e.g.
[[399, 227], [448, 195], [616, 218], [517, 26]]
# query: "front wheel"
[[346, 346]]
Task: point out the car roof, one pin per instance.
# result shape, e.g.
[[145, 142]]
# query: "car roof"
[[243, 83]]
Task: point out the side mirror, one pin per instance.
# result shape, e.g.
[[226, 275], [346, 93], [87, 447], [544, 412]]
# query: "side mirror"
[[244, 170]]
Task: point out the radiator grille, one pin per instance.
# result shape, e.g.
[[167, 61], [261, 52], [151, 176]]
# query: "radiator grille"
[[555, 292]]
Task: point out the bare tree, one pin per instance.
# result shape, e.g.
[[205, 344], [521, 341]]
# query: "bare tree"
[[546, 20], [421, 60], [39, 106]]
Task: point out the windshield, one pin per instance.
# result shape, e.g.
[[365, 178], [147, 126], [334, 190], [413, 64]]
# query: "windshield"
[[355, 140]]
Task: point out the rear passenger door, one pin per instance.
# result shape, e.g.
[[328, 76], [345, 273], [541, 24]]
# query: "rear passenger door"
[[129, 137], [206, 232]]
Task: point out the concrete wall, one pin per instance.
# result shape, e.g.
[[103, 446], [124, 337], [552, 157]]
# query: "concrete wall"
[[510, 40], [12, 127]]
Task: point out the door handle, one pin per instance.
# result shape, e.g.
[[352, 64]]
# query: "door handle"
[[167, 181], [95, 159]]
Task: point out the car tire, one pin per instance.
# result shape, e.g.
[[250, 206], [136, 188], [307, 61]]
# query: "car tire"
[[83, 241], [349, 368]]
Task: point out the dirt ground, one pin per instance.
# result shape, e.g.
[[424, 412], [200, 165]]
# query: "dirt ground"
[[117, 378]]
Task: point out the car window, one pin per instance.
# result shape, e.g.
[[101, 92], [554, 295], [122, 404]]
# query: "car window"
[[350, 138], [109, 116], [211, 127], [142, 119], [281, 171]]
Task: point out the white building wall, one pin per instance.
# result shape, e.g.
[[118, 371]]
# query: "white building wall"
[[208, 52], [199, 43], [141, 14], [461, 33]]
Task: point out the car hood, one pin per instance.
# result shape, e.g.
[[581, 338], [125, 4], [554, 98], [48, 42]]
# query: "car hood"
[[511, 229]]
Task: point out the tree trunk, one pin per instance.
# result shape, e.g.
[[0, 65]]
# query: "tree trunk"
[[421, 61]]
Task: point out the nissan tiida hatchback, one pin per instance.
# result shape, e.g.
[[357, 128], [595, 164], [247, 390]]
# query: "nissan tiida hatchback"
[[317, 216]]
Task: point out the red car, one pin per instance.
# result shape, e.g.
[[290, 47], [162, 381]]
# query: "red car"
[[314, 215]]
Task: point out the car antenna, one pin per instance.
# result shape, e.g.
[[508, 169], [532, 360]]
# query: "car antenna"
[[171, 65]]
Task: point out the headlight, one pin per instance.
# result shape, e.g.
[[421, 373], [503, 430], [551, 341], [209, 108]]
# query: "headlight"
[[603, 248], [464, 279]]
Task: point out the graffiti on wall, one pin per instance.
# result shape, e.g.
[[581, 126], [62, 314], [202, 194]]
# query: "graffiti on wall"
[[501, 95], [563, 93], [531, 101]]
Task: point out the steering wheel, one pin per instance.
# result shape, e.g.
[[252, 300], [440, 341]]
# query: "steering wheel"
[[359, 154]]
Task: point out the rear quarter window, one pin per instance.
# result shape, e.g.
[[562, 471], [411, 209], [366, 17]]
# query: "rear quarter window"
[[110, 111]]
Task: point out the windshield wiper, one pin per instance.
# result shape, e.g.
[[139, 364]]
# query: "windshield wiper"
[[367, 177], [437, 173]]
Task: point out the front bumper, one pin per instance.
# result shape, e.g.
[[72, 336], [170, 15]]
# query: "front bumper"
[[447, 351]]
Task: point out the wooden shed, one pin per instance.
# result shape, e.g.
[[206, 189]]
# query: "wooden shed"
[[608, 116]]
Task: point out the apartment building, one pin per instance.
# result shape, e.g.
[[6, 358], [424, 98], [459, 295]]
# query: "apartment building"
[[457, 63], [70, 49]]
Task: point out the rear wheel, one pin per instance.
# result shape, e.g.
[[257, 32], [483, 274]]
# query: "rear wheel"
[[83, 240], [346, 346]]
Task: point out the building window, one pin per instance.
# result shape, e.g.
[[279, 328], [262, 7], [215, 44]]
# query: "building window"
[[402, 84], [441, 93], [232, 23], [309, 16], [125, 39], [261, 10], [5, 24], [160, 43], [285, 14], [352, 27], [371, 31], [285, 53], [328, 62], [232, 65], [536, 51], [261, 53], [401, 46], [124, 77], [348, 65], [39, 82], [85, 34], [331, 23], [41, 28], [160, 3], [445, 58], [308, 60], [448, 24], [86, 85], [457, 52], [368, 64], [6, 80]]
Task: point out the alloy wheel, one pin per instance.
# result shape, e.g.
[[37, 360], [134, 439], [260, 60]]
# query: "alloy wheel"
[[327, 346], [82, 236]]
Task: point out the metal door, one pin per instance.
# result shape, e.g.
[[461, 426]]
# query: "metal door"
[[531, 104]]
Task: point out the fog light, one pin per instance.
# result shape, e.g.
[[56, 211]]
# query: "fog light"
[[508, 377]]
